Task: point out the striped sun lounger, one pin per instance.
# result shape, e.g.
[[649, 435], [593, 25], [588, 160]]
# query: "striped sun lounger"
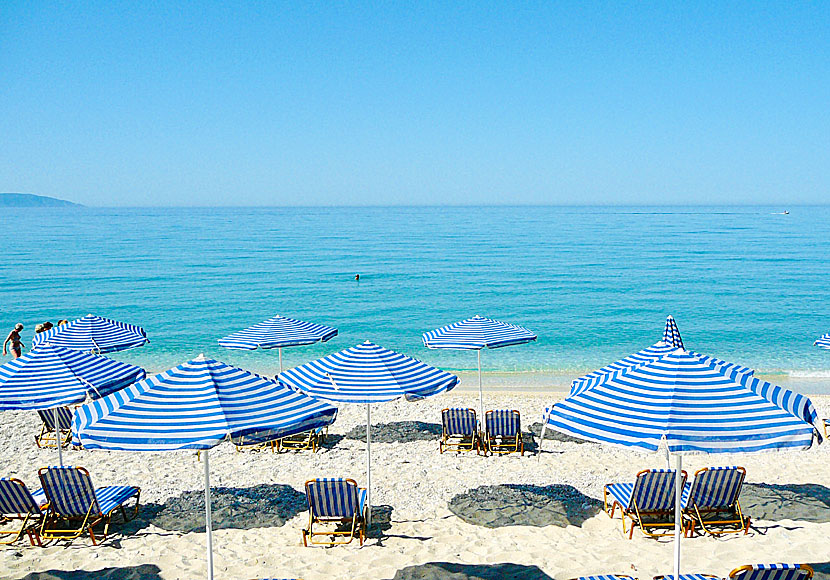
[[311, 439], [48, 434], [459, 430], [73, 500], [688, 577], [503, 432], [339, 502], [648, 502], [606, 577], [713, 503], [772, 572], [17, 504]]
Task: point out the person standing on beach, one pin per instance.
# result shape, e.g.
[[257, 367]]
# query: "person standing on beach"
[[14, 338]]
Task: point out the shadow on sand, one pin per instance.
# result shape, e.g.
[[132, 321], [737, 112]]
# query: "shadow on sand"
[[144, 572], [806, 502], [452, 571], [495, 506], [398, 432]]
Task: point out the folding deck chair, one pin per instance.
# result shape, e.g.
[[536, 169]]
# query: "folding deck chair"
[[713, 501], [18, 504], [73, 499], [772, 572], [311, 439], [503, 432], [459, 430], [648, 502], [48, 434], [339, 502]]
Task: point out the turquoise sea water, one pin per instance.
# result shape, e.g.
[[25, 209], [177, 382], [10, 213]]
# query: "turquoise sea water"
[[595, 283]]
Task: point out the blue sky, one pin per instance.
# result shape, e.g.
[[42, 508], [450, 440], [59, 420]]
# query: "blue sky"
[[341, 103]]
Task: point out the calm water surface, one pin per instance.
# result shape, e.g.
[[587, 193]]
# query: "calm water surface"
[[595, 283]]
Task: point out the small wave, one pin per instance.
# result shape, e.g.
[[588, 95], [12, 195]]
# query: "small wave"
[[809, 374]]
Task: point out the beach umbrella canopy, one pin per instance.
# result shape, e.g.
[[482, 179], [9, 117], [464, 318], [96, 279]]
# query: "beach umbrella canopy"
[[368, 373], [278, 332], [93, 334], [197, 405], [50, 376], [693, 404], [671, 341], [823, 341], [477, 333]]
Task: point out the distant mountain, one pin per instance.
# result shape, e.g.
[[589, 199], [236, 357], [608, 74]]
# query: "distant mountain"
[[29, 200]]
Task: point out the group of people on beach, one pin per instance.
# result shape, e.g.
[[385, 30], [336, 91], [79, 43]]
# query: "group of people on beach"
[[14, 342]]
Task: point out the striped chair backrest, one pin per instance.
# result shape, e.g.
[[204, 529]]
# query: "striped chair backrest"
[[332, 498], [459, 421], [772, 572], [503, 423], [69, 491], [654, 490], [15, 498], [64, 418], [716, 487]]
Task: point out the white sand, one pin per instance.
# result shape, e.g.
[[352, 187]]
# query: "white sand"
[[418, 483]]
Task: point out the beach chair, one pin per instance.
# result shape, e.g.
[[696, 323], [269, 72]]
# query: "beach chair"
[[339, 502], [713, 503], [648, 502], [48, 433], [17, 504], [242, 444], [311, 439], [503, 432], [76, 506], [688, 577], [459, 431], [772, 572], [827, 428]]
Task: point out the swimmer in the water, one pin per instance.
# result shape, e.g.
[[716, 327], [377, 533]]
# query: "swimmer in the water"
[[357, 277], [14, 338]]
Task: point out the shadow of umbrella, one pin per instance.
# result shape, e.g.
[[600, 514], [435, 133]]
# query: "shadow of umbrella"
[[805, 502], [496, 506], [452, 571], [143, 572], [822, 571], [398, 432], [261, 506]]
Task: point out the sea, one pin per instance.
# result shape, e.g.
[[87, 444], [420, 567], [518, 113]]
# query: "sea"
[[747, 284]]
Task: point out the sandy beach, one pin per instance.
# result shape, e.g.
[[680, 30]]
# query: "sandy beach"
[[431, 516]]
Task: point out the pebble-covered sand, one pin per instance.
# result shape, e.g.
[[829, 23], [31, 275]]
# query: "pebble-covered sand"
[[436, 516]]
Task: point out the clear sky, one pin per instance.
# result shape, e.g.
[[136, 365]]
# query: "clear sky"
[[346, 103]]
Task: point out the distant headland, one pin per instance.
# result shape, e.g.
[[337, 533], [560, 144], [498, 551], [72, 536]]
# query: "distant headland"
[[29, 200]]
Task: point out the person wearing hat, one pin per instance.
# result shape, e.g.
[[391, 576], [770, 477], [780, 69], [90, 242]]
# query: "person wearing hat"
[[14, 338]]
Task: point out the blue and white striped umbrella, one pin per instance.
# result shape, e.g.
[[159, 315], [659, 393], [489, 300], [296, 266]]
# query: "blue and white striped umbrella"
[[477, 333], [671, 341], [278, 332], [197, 405], [52, 376], [368, 373], [694, 403], [823, 342], [93, 334], [49, 377]]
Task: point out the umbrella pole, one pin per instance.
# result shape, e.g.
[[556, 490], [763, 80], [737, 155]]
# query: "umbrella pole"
[[678, 491], [368, 466], [280, 351], [480, 393], [58, 436], [207, 519]]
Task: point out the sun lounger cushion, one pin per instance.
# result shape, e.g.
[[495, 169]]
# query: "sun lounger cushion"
[[716, 487], [503, 423], [76, 493], [606, 577], [15, 499], [772, 572], [459, 422], [658, 499], [335, 498]]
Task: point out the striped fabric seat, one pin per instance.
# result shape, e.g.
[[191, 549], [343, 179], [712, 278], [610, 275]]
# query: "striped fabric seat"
[[648, 502], [606, 577], [339, 501], [713, 503], [772, 572], [72, 497], [17, 503], [459, 430], [688, 577], [503, 431], [48, 434]]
